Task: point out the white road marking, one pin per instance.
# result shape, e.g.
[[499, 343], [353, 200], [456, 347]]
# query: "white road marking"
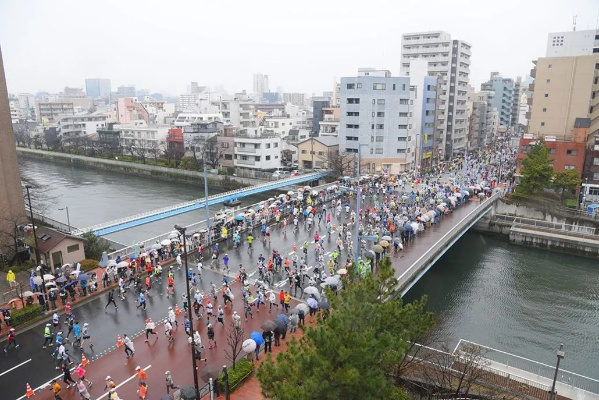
[[123, 382], [15, 367]]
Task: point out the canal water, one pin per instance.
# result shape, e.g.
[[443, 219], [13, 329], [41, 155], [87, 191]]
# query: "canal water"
[[94, 196], [516, 299]]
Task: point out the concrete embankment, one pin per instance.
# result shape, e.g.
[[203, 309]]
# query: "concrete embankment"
[[214, 180], [540, 228]]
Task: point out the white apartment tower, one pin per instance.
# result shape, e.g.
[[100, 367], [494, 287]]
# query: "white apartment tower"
[[261, 84], [449, 61], [572, 43]]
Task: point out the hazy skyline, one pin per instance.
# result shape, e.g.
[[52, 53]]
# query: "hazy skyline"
[[162, 46]]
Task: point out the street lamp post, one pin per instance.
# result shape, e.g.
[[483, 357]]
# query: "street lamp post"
[[182, 230], [226, 383], [37, 250], [358, 199], [560, 355], [206, 204], [68, 218]]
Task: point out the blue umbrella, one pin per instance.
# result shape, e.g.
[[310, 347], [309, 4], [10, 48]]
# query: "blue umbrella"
[[257, 337], [312, 302], [83, 277], [259, 207], [283, 318], [239, 217]]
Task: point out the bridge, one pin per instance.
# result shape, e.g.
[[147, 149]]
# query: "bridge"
[[422, 253], [107, 228]]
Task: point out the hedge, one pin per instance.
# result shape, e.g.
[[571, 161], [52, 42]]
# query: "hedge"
[[26, 314], [243, 369], [88, 264]]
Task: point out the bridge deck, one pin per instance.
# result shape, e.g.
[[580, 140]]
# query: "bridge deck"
[[403, 260]]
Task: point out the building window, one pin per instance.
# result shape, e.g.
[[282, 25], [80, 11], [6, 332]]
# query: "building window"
[[551, 151], [402, 139], [402, 126], [268, 145], [546, 94], [569, 167], [257, 158], [394, 86], [321, 153], [353, 100], [379, 86], [380, 138], [276, 145], [401, 151], [548, 81], [595, 160], [267, 158], [352, 126], [572, 152], [542, 124], [380, 114], [351, 85], [379, 150], [549, 66], [304, 151], [404, 114], [353, 114], [380, 126], [359, 86], [380, 101], [72, 248], [404, 102], [544, 109]]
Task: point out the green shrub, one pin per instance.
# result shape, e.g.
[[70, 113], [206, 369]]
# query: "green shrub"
[[243, 369], [28, 313], [88, 264]]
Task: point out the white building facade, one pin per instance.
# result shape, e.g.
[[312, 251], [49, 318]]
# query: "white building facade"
[[75, 126], [572, 43], [375, 116], [258, 152], [449, 61]]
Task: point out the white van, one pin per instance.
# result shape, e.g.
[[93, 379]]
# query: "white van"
[[279, 174]]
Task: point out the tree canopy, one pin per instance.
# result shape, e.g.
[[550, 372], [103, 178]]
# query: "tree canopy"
[[536, 170], [94, 245], [351, 354], [566, 181]]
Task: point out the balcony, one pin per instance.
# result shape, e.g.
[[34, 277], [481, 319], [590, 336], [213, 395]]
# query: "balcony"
[[531, 87], [251, 150], [533, 73], [245, 162], [529, 101]]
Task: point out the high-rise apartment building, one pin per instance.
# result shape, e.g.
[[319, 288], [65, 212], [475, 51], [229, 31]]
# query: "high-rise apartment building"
[[449, 61], [261, 84], [97, 87], [12, 205], [565, 88], [503, 100], [375, 115], [299, 99], [572, 43]]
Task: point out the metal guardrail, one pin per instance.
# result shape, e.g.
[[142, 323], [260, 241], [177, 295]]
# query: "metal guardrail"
[[534, 367], [405, 280], [195, 204], [581, 230]]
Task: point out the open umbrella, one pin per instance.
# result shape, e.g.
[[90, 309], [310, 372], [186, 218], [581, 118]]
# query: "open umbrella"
[[173, 234], [189, 392], [369, 254], [377, 248], [283, 318], [312, 303], [239, 217], [27, 293], [303, 307], [342, 271], [175, 240], [268, 325], [122, 264], [210, 373], [257, 337], [248, 345], [290, 193], [156, 246], [281, 326], [387, 238], [49, 277], [37, 280], [112, 263], [83, 277], [324, 304], [332, 280], [165, 242], [61, 279], [312, 291], [384, 243]]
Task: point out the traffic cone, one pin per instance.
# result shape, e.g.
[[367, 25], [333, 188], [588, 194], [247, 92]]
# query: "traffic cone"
[[119, 341], [177, 311], [84, 360], [29, 391]]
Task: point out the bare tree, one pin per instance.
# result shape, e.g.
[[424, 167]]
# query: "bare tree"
[[211, 153], [155, 150], [141, 149], [235, 338], [340, 163]]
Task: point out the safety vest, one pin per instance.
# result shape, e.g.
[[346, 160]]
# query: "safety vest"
[[47, 332]]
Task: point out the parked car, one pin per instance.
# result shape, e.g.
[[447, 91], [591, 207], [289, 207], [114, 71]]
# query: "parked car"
[[281, 174]]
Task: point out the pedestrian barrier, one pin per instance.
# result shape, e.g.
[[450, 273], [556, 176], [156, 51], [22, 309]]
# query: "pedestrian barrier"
[[29, 391]]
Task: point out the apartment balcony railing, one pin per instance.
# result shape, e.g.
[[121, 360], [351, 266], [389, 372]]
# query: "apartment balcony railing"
[[246, 150], [245, 162]]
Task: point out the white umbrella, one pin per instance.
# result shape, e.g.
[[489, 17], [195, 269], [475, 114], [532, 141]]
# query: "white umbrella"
[[122, 264], [156, 246], [249, 345], [271, 199], [37, 280], [48, 277], [331, 280], [304, 307], [312, 291], [386, 237], [111, 263], [175, 240], [173, 234], [291, 193], [307, 187], [165, 242], [196, 236], [342, 271], [66, 266], [299, 190], [415, 226], [314, 193]]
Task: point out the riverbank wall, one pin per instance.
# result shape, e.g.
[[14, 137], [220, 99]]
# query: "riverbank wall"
[[549, 229], [154, 171]]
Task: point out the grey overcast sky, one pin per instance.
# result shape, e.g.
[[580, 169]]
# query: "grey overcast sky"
[[302, 45]]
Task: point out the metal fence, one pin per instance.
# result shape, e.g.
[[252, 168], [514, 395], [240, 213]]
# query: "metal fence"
[[533, 367], [581, 230]]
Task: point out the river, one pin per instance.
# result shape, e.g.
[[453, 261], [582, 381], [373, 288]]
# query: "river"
[[516, 299], [94, 196]]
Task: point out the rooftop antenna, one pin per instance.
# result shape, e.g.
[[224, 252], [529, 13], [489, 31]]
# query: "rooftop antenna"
[[574, 23]]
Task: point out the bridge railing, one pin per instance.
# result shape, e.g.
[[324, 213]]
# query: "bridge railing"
[[534, 367], [405, 278], [582, 230], [224, 196]]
